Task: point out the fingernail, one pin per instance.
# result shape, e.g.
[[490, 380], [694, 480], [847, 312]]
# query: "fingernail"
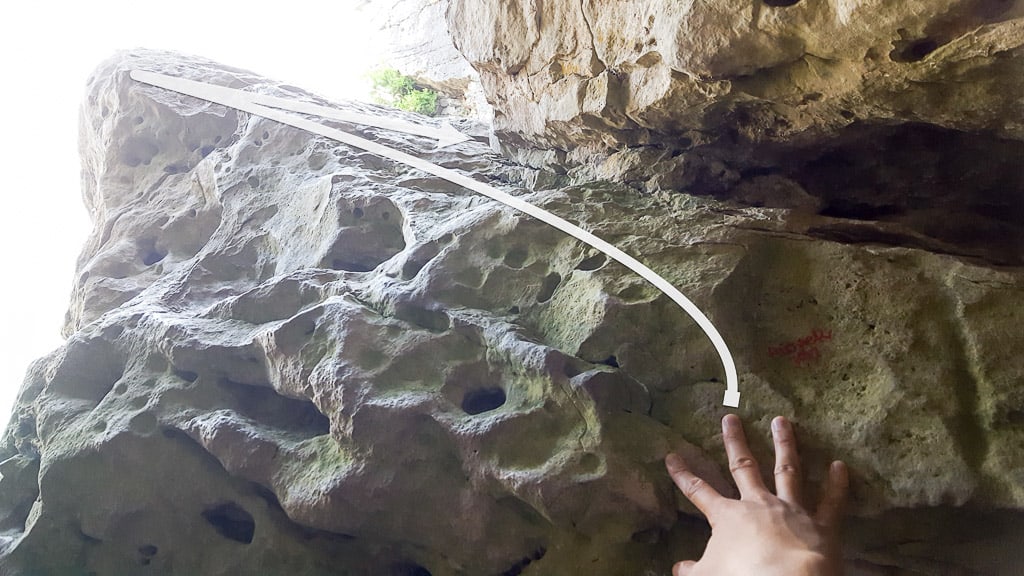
[[730, 422], [674, 462], [837, 466], [777, 424]]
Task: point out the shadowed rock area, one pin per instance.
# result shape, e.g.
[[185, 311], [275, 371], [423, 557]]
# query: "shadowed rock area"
[[285, 355]]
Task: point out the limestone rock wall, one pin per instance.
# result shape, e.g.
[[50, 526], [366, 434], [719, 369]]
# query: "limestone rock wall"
[[288, 356], [597, 74]]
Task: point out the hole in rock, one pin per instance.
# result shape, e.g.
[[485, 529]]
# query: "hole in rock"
[[516, 257], [610, 361], [548, 287], [153, 257], [571, 370], [897, 185], [149, 253], [267, 495], [854, 210], [483, 400], [1015, 417], [592, 263], [339, 264], [186, 375], [385, 215], [265, 406], [432, 320], [148, 550], [232, 522], [412, 267], [513, 310], [914, 51], [517, 568], [175, 434], [357, 212]]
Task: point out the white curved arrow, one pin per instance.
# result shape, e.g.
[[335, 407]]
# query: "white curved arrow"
[[248, 102], [445, 135]]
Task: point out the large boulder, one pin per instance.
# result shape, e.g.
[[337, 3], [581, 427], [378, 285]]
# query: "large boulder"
[[289, 356], [597, 74]]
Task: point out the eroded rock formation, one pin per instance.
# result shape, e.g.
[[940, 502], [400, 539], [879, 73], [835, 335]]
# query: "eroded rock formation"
[[595, 74], [286, 355]]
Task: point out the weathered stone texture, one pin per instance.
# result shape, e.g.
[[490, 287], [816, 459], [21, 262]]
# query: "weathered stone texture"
[[288, 356], [595, 74]]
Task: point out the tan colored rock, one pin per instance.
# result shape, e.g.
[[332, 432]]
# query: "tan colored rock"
[[605, 74]]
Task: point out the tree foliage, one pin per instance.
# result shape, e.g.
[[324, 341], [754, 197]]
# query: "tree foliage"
[[393, 88]]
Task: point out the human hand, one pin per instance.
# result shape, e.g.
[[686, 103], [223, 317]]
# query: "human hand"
[[764, 533]]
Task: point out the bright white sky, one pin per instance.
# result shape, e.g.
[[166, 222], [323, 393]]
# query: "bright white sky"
[[48, 50]]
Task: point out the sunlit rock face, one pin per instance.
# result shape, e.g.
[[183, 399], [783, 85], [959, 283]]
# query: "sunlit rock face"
[[597, 74], [414, 39], [289, 356]]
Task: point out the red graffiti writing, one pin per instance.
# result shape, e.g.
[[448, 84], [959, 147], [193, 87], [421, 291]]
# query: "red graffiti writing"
[[802, 351]]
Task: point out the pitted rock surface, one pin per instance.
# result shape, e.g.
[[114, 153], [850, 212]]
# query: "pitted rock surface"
[[289, 356]]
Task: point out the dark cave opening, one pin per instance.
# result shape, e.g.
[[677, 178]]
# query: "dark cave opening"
[[232, 522], [483, 400], [934, 188]]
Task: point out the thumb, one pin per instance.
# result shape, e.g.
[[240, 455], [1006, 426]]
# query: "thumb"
[[683, 568]]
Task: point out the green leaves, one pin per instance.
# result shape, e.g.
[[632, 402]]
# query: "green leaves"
[[392, 88]]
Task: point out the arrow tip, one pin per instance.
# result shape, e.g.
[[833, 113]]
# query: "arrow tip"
[[732, 399], [449, 136]]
